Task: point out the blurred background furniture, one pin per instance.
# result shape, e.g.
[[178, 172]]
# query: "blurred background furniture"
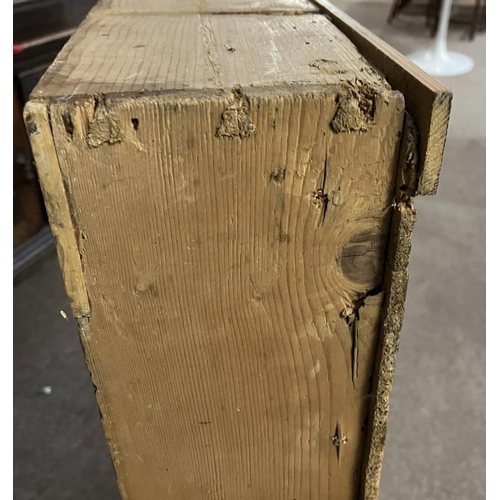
[[396, 8], [471, 14], [439, 61], [41, 28]]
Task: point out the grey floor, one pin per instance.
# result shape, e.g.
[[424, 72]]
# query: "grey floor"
[[436, 442]]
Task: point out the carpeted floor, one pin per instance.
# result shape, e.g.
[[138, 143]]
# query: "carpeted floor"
[[436, 442]]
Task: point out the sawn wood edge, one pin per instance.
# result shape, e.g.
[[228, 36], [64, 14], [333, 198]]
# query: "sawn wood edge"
[[37, 119]]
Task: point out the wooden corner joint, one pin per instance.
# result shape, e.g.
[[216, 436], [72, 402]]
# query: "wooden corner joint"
[[38, 124]]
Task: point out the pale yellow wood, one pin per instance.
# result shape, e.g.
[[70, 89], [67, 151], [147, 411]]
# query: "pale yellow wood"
[[56, 203]]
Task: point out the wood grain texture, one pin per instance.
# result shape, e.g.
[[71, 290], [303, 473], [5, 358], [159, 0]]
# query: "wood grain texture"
[[134, 53], [57, 205], [292, 7], [395, 285], [219, 340], [233, 210], [428, 101]]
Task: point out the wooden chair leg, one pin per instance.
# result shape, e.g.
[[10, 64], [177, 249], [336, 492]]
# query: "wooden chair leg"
[[395, 8], [475, 20]]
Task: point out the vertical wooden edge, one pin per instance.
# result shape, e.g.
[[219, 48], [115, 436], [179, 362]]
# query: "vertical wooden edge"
[[433, 131], [37, 120], [396, 281], [395, 285], [426, 99], [37, 117]]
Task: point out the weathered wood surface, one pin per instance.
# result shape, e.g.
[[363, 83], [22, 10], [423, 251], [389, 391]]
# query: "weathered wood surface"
[[56, 202], [292, 7], [146, 53], [224, 190], [428, 100]]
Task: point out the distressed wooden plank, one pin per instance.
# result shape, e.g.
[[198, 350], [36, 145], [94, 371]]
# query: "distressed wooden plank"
[[428, 101], [230, 338], [290, 7], [234, 194], [56, 203], [148, 53], [395, 285]]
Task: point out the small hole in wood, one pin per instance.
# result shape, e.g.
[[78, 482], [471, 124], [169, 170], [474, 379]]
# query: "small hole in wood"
[[32, 128], [68, 124], [135, 123]]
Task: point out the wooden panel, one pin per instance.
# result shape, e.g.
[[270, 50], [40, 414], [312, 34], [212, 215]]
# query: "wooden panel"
[[207, 6], [144, 53], [235, 289], [36, 116]]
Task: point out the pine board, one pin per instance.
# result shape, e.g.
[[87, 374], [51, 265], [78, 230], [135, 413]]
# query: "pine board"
[[149, 53], [287, 7], [231, 200]]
